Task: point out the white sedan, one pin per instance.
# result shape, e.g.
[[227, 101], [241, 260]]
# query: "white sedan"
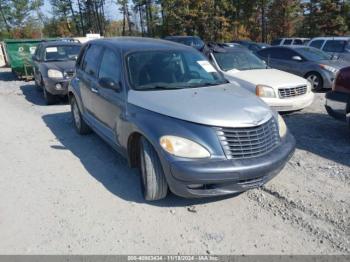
[[280, 90]]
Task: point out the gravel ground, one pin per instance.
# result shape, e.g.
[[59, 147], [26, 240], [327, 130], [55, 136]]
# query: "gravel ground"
[[61, 193]]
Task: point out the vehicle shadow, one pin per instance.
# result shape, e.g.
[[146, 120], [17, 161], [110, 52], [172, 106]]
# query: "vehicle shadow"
[[7, 76], [320, 134], [106, 165], [35, 95]]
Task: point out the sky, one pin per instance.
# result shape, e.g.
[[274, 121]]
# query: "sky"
[[111, 9]]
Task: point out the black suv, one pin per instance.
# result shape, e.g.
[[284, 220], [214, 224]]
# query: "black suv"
[[54, 67]]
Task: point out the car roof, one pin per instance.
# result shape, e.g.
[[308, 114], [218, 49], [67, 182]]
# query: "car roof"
[[128, 44], [180, 37], [60, 42], [331, 38]]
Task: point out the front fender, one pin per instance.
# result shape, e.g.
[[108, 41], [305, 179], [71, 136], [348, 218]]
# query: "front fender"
[[153, 126]]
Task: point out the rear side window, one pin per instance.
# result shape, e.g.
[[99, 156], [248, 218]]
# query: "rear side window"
[[276, 42], [317, 43], [334, 46], [288, 42], [91, 60], [277, 53], [298, 42], [110, 66]]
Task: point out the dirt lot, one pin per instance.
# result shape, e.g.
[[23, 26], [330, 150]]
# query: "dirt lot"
[[61, 193]]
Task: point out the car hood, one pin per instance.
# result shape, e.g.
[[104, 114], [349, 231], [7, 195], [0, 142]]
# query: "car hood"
[[339, 64], [61, 65], [225, 105], [270, 77]]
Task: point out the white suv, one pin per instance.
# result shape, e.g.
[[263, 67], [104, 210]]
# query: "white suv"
[[335, 45], [290, 41]]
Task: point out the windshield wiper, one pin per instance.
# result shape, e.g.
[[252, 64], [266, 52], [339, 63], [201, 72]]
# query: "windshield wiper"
[[140, 88]]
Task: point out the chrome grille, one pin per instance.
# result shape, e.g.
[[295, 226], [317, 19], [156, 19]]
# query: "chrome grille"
[[293, 91], [249, 142]]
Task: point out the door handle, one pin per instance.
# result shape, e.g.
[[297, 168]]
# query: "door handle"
[[94, 90]]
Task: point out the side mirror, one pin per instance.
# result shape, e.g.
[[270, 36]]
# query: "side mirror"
[[109, 83], [297, 58]]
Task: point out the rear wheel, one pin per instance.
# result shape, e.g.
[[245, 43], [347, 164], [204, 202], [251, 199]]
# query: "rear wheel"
[[79, 123], [315, 80], [154, 184]]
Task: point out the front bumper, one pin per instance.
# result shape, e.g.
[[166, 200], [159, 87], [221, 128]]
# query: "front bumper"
[[50, 85], [337, 104], [208, 178], [290, 104]]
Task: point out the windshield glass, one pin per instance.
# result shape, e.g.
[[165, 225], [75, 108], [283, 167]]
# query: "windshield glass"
[[152, 70], [238, 60], [313, 54], [191, 41], [62, 53]]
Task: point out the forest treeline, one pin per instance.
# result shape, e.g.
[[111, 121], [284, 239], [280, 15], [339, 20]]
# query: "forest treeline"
[[213, 20]]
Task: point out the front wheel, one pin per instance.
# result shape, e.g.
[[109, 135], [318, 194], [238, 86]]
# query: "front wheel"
[[79, 123], [315, 80], [50, 99], [154, 184]]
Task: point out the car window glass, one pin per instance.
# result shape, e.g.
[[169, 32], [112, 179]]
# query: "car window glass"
[[317, 43], [276, 42], [91, 60], [110, 66], [334, 46], [150, 70], [288, 42], [297, 42], [239, 61], [61, 52]]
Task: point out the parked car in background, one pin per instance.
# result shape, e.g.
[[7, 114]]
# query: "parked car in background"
[[280, 90], [54, 64], [338, 100], [290, 41], [166, 109], [193, 41], [308, 62], [337, 46], [252, 46]]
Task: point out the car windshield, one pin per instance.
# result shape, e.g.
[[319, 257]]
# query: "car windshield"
[[163, 70], [62, 53], [313, 54], [241, 60], [191, 41]]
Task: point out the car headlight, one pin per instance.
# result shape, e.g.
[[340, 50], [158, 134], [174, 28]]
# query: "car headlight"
[[182, 147], [329, 68], [52, 73], [265, 91], [282, 127]]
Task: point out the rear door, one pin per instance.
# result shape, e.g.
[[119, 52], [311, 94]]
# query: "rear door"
[[87, 73], [109, 103]]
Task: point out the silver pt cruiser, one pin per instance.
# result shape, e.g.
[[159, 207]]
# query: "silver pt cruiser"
[[165, 108]]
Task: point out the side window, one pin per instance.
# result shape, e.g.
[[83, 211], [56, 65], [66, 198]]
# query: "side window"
[[91, 60], [317, 43], [298, 42], [110, 66], [288, 42], [264, 53], [276, 42], [282, 53], [334, 46], [81, 57]]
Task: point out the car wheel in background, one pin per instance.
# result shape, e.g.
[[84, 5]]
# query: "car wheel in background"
[[38, 84], [154, 184], [79, 123], [315, 80], [49, 98]]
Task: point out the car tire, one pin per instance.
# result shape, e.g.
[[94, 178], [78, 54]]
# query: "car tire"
[[153, 181], [316, 81], [38, 84], [50, 99], [79, 123]]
